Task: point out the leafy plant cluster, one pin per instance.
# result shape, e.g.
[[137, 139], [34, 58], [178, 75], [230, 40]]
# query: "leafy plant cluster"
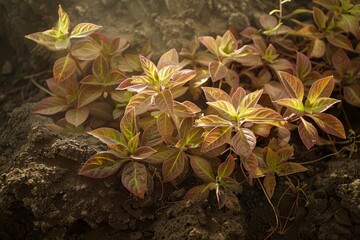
[[230, 105]]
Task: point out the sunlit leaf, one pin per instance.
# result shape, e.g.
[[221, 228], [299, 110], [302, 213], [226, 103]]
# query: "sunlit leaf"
[[295, 105], [181, 77], [64, 68], [228, 44], [113, 138], [316, 48], [308, 133], [212, 121], [166, 72], [210, 44], [321, 104], [44, 40], [217, 70], [290, 168], [243, 142], [84, 29], [269, 185], [329, 124], [101, 165], [202, 168], [262, 116], [227, 167], [85, 49], [171, 57], [134, 178], [215, 94], [237, 96], [321, 88], [173, 165], [149, 68], [164, 101], [63, 23], [50, 106], [216, 137], [140, 102], [292, 84], [128, 124], [224, 108], [250, 100]]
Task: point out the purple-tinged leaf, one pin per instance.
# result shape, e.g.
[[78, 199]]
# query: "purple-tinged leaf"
[[303, 65], [226, 168], [199, 193], [128, 124], [250, 100], [77, 116], [202, 168], [100, 67], [215, 94], [321, 88], [151, 136], [237, 96], [210, 44], [293, 86], [231, 184], [50, 106], [165, 127], [183, 111], [173, 165], [64, 68], [89, 94], [162, 153], [181, 77], [134, 178], [101, 165], [269, 185], [111, 137], [171, 57], [352, 95], [243, 142], [86, 49], [216, 138], [217, 70], [164, 101], [140, 102], [268, 22], [340, 41], [228, 44], [308, 133], [329, 124], [341, 62], [142, 152]]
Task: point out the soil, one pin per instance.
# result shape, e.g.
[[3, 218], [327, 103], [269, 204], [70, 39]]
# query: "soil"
[[41, 195]]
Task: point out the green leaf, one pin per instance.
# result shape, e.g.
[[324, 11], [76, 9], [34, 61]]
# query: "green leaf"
[[308, 133], [149, 69], [316, 48], [166, 73], [212, 121], [101, 165], [243, 142], [321, 105], [64, 68], [84, 29], [228, 44], [272, 159], [227, 167], [202, 168], [293, 86], [217, 70], [321, 88], [225, 109], [194, 137], [165, 127], [290, 168], [164, 101], [320, 18], [237, 96], [173, 165], [250, 100], [63, 23], [50, 106], [128, 124], [293, 104], [352, 95], [349, 23], [329, 124], [133, 143], [47, 41], [216, 138], [77, 116], [111, 137], [134, 178], [215, 94]]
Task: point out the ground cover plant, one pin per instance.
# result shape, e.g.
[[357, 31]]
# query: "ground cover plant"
[[219, 106]]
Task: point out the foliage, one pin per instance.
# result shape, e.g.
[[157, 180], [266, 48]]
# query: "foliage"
[[254, 87]]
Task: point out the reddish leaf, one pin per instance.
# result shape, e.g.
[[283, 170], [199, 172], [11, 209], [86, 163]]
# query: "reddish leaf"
[[100, 67], [140, 102], [250, 165], [162, 153], [341, 62], [194, 137], [86, 49], [202, 168], [237, 96], [142, 152], [89, 94], [319, 18], [134, 178], [128, 124], [293, 86], [171, 57], [181, 77], [215, 94], [308, 133], [173, 165], [165, 127], [340, 41], [290, 168], [321, 88], [164, 101], [133, 143], [217, 70], [151, 136], [113, 138], [216, 138], [303, 65], [83, 29], [268, 22], [269, 185], [210, 44], [243, 142], [77, 116], [227, 167], [64, 68], [183, 111], [101, 165], [50, 106], [352, 95], [329, 124]]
